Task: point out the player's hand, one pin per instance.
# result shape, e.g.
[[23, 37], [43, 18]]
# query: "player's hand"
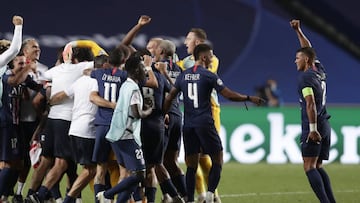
[[144, 20], [166, 120], [314, 136], [295, 24], [147, 60], [256, 100], [18, 20], [113, 105], [67, 53], [161, 67]]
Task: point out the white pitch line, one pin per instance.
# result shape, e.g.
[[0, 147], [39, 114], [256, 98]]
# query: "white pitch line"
[[279, 193]]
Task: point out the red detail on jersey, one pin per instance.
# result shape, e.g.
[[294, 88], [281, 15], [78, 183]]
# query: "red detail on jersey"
[[113, 71], [195, 68]]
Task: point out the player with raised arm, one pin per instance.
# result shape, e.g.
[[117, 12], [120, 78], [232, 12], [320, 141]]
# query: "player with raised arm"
[[9, 50], [316, 130], [199, 131]]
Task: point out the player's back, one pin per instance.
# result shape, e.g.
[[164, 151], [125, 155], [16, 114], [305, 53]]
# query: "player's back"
[[109, 82], [196, 84]]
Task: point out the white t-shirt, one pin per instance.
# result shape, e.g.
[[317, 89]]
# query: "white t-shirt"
[[83, 115], [62, 77]]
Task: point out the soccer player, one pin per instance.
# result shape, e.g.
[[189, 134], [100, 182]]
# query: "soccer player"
[[28, 115], [14, 81], [82, 130], [195, 37], [109, 80], [59, 118], [9, 51], [199, 131], [124, 132], [316, 130], [173, 120], [152, 138]]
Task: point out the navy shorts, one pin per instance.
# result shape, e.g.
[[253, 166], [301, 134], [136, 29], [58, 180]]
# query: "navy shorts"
[[59, 129], [10, 148], [201, 139], [102, 146], [312, 149], [152, 139], [129, 154], [82, 149], [173, 133]]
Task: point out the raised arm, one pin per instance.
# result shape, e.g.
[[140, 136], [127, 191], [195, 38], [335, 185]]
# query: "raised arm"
[[15, 46], [129, 37], [304, 41], [152, 81], [20, 76]]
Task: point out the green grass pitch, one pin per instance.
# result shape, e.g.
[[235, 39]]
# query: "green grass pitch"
[[268, 183]]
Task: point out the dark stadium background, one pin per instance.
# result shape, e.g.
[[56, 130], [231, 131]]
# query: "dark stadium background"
[[252, 38]]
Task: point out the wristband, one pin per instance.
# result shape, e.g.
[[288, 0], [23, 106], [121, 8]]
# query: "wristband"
[[148, 68], [312, 127]]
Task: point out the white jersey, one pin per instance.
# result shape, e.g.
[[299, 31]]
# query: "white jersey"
[[62, 77], [83, 115], [27, 111]]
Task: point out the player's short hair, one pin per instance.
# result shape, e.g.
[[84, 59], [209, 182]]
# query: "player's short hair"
[[117, 56], [168, 47], [82, 54], [11, 63], [100, 60], [201, 48], [199, 33], [26, 42], [134, 66], [309, 52]]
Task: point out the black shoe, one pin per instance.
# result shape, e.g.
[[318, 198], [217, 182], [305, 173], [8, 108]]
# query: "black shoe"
[[32, 199], [17, 199]]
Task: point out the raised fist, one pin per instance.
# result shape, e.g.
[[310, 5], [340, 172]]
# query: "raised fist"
[[18, 20]]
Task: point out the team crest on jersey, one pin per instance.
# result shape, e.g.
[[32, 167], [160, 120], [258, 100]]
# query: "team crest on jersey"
[[219, 82]]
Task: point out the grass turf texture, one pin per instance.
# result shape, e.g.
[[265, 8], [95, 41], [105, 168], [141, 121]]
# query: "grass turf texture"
[[265, 183]]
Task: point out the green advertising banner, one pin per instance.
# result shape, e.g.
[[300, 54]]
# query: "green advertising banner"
[[272, 134]]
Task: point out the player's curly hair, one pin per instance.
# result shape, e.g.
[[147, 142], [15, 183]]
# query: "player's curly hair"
[[4, 45]]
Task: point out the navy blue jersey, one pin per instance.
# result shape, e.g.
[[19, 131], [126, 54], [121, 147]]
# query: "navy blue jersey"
[[196, 84], [156, 96], [11, 98], [314, 77], [109, 83], [174, 71]]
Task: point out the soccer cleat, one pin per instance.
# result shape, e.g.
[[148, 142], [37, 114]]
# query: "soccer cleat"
[[101, 198], [177, 199], [17, 199], [201, 198], [209, 197], [78, 200], [32, 199], [217, 199], [166, 199]]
